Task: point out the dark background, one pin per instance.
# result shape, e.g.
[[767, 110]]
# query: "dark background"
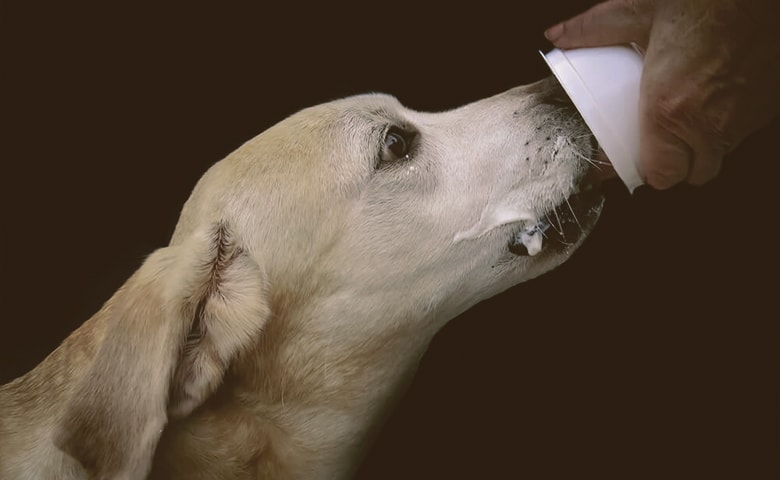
[[653, 353]]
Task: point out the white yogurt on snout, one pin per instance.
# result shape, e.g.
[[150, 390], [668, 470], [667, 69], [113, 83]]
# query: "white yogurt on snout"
[[532, 237], [492, 218], [532, 241]]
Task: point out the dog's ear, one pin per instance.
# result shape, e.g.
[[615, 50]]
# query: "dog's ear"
[[168, 335]]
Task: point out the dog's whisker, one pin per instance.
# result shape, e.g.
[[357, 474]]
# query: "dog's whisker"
[[574, 215], [557, 229], [560, 223], [597, 164]]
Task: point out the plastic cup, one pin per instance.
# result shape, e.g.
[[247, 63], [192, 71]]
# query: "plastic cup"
[[603, 84]]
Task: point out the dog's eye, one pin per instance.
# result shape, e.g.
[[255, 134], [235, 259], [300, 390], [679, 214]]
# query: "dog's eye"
[[396, 146]]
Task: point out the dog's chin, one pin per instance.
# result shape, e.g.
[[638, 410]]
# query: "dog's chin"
[[561, 228]]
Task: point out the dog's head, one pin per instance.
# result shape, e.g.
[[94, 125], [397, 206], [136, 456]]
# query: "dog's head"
[[409, 208], [360, 209]]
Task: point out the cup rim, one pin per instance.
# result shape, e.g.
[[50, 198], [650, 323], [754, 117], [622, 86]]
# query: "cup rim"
[[622, 157]]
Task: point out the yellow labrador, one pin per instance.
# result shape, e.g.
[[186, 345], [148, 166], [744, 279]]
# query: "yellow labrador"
[[307, 274]]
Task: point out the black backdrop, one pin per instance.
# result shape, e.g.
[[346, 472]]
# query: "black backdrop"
[[651, 354]]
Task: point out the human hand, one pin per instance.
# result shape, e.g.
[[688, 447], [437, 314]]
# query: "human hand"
[[711, 76]]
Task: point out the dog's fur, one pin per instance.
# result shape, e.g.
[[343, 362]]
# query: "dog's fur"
[[303, 283]]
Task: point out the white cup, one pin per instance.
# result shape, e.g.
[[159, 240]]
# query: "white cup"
[[603, 83]]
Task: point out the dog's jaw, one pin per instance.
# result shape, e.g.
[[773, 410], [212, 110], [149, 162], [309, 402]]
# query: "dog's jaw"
[[561, 227]]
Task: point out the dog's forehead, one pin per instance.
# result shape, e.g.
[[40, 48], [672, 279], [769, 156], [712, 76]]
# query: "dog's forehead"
[[358, 120], [371, 110], [351, 127], [370, 104]]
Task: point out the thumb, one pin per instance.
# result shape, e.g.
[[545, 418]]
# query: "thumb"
[[669, 156], [609, 23], [664, 158]]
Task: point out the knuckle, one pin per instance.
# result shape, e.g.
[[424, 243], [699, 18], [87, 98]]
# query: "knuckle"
[[703, 177], [635, 8], [699, 180], [581, 24], [631, 6], [715, 128], [669, 112], [687, 116], [705, 169], [665, 177]]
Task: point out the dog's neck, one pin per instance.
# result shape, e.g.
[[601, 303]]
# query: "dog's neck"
[[309, 393]]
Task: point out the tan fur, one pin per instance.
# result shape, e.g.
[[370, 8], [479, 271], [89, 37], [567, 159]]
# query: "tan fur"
[[300, 289]]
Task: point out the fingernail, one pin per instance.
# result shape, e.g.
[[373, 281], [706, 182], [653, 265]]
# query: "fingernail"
[[554, 33]]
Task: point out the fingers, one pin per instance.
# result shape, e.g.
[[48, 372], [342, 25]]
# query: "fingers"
[[608, 23], [673, 149], [679, 142], [664, 159], [706, 166], [681, 125]]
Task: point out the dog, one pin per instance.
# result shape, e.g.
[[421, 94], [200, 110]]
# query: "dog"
[[305, 278]]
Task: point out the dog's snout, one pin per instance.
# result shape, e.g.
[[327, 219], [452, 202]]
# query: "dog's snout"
[[554, 94], [547, 91]]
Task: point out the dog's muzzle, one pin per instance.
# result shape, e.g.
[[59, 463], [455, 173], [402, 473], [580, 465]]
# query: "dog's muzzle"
[[561, 227]]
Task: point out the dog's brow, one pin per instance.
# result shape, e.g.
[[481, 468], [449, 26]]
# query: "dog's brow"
[[380, 114], [375, 122]]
